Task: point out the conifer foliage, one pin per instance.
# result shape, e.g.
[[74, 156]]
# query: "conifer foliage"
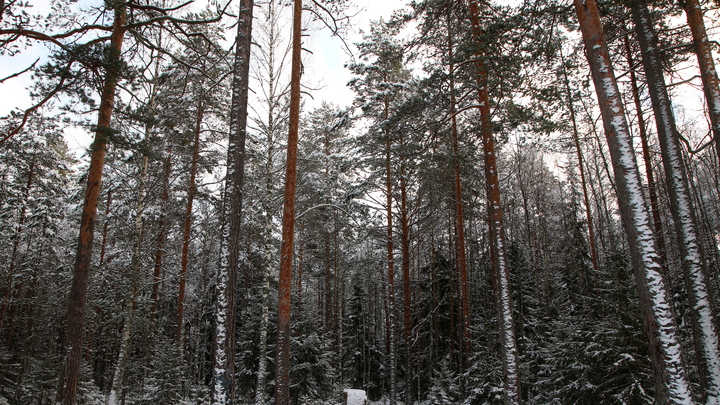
[[472, 227]]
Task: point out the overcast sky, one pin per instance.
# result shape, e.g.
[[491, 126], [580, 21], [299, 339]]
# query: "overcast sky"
[[329, 57], [325, 71]]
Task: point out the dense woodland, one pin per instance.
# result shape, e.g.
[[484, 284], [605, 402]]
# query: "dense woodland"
[[521, 205]]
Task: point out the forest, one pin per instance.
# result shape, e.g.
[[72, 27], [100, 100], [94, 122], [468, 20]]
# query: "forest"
[[521, 205]]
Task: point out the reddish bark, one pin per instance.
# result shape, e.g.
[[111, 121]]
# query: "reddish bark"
[[282, 371], [512, 392], [188, 222], [703, 50], [69, 377]]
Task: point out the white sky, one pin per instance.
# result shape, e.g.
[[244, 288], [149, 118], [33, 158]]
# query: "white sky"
[[328, 59], [325, 69]]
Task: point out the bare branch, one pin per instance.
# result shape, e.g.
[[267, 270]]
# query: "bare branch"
[[26, 113], [21, 72]]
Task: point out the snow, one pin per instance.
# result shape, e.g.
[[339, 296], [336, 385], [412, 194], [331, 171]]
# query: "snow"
[[355, 397], [638, 227]]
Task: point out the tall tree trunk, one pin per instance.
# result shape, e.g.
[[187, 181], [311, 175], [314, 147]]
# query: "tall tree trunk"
[[407, 299], [703, 50], [224, 373], [459, 215], [7, 296], [391, 269], [702, 317], [660, 328], [160, 247], [192, 188], [282, 370], [67, 387], [651, 183], [106, 225], [265, 317], [512, 392], [116, 395], [581, 168]]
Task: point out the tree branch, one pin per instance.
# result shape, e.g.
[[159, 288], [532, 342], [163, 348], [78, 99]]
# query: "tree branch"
[[21, 72], [26, 113]]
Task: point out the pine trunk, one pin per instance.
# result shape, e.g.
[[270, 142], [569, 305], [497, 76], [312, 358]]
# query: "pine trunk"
[[702, 317], [459, 214], [660, 328], [583, 180], [224, 373], [391, 270], [282, 370], [160, 248], [512, 392], [407, 299], [651, 184], [188, 223], [703, 50], [69, 377]]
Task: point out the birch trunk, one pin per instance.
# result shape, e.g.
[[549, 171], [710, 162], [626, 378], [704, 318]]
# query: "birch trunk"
[[224, 373], [116, 395], [660, 328], [265, 319], [703, 319], [69, 377]]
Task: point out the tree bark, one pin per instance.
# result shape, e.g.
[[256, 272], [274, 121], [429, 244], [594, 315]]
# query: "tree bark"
[[116, 395], [583, 180], [192, 188], [703, 50], [224, 373], [265, 317], [67, 387], [160, 248], [391, 268], [660, 328], [407, 298], [651, 183], [459, 214], [702, 318], [512, 393], [282, 370], [7, 296], [106, 225]]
